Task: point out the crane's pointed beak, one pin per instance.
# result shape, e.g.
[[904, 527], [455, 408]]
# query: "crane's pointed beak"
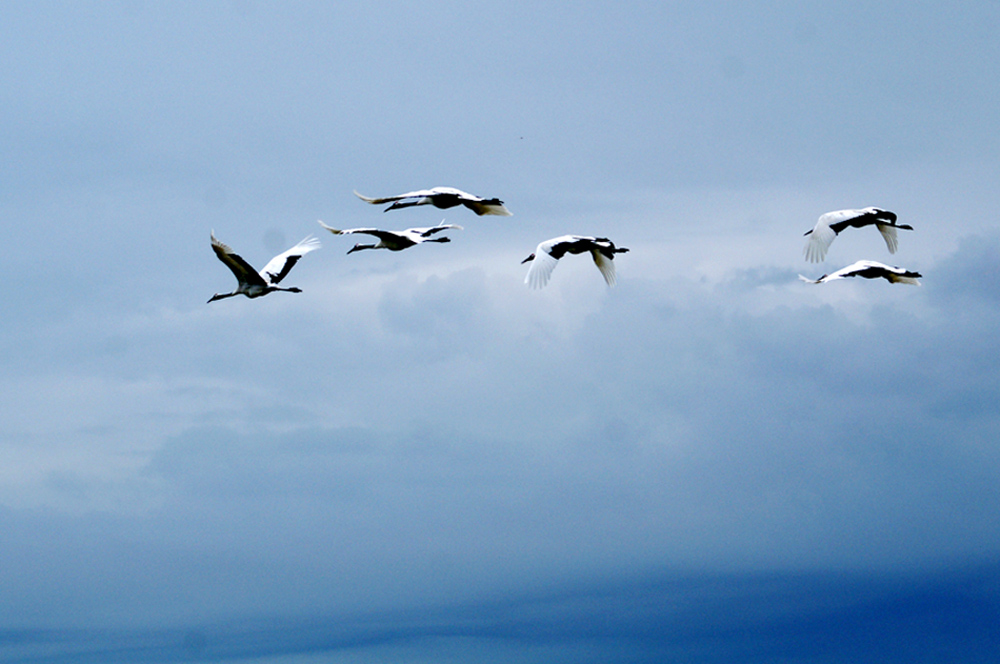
[[529, 258]]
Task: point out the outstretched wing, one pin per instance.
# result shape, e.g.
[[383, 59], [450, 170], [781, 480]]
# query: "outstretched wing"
[[844, 272], [540, 270], [820, 238], [605, 265], [447, 191], [481, 206], [493, 206], [278, 267], [392, 199], [838, 220], [428, 232], [244, 272], [857, 269], [889, 235], [875, 270], [377, 232]]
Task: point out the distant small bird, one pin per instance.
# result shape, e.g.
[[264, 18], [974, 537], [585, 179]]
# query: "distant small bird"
[[870, 270], [443, 198], [395, 240], [831, 224], [548, 253], [253, 283]]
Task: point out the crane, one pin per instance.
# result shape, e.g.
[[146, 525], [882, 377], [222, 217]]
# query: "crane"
[[870, 270], [442, 198], [255, 284], [830, 225], [395, 240], [548, 253]]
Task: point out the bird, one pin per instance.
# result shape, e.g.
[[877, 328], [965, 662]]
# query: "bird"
[[548, 253], [443, 198], [395, 240], [831, 224], [253, 283], [870, 270]]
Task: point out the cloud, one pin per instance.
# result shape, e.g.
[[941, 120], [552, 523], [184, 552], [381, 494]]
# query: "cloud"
[[455, 441], [417, 432]]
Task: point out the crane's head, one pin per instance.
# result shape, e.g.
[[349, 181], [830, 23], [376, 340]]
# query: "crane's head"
[[528, 259]]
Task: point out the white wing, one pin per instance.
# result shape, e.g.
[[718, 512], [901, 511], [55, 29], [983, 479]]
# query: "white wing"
[[541, 268], [850, 271], [837, 216], [820, 239], [335, 231], [431, 230], [278, 267], [420, 193], [896, 275], [839, 274], [387, 199], [496, 209], [605, 265], [889, 235], [377, 232], [447, 190]]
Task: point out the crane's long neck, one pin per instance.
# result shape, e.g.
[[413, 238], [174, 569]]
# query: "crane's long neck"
[[359, 247], [222, 296]]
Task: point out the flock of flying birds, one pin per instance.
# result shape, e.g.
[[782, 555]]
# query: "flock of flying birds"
[[253, 283], [545, 258]]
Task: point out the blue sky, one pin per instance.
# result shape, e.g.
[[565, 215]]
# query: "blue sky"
[[418, 458]]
